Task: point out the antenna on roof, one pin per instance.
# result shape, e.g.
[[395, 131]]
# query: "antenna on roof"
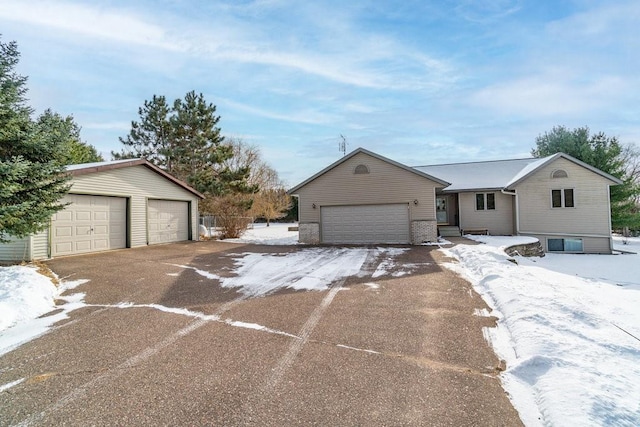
[[342, 145]]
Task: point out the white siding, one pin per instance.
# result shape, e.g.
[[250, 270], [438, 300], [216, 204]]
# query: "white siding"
[[139, 183], [40, 245], [498, 221], [590, 216], [384, 184]]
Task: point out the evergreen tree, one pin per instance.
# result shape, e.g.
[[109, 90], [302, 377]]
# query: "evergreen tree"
[[604, 153], [65, 132], [32, 179], [185, 140], [151, 137]]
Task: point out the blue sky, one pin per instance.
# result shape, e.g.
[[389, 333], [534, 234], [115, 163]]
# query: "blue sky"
[[421, 82]]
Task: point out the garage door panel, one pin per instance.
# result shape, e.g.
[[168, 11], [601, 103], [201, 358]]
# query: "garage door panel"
[[88, 224], [168, 221], [365, 224]]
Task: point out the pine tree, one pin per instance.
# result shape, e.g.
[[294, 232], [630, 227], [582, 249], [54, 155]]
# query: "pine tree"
[[151, 137], [65, 132], [32, 179]]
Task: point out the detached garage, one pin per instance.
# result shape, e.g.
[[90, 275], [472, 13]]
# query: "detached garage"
[[365, 198], [114, 205]]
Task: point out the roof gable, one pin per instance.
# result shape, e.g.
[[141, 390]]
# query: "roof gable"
[[374, 155], [87, 168], [540, 163]]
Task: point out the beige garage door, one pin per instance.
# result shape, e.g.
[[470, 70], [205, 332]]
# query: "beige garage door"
[[168, 221], [89, 224], [365, 224]]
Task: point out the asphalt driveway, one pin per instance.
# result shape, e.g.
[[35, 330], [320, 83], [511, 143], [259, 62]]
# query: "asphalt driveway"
[[172, 335]]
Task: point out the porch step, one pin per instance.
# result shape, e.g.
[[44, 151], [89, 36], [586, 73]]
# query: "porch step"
[[449, 231]]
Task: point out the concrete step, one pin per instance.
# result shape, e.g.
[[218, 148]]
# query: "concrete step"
[[449, 231]]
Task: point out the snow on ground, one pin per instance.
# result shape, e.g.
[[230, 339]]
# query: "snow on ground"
[[568, 328], [25, 295], [275, 234]]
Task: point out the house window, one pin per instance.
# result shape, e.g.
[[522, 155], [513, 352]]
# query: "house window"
[[559, 174], [565, 245], [361, 169], [562, 198], [485, 201]]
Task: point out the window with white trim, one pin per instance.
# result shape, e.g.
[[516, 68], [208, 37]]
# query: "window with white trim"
[[559, 173], [565, 245], [562, 198], [485, 201]]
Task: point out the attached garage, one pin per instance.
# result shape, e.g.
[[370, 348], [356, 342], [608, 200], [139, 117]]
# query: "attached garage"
[[361, 224], [168, 221], [114, 205], [89, 224], [365, 198]]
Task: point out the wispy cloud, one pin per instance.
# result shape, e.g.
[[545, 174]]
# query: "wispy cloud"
[[115, 25]]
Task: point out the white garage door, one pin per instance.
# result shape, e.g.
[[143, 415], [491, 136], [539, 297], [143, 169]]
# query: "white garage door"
[[168, 221], [365, 224], [89, 224]]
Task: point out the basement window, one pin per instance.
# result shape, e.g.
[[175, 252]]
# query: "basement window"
[[565, 245]]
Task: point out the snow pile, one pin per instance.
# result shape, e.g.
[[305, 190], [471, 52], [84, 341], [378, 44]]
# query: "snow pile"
[[276, 234], [568, 328], [25, 295]]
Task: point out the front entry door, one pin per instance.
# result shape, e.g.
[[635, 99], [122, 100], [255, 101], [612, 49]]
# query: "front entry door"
[[441, 210]]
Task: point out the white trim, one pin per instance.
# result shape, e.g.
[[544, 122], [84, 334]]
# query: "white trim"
[[609, 215]]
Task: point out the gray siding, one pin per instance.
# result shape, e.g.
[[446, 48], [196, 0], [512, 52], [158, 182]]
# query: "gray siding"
[[385, 183], [590, 216], [498, 222], [28, 249], [15, 250], [139, 183]]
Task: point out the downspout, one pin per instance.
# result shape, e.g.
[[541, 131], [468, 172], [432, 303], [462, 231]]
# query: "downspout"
[[515, 194]]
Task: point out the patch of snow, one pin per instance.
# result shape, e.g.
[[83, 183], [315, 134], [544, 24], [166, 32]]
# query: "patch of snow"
[[440, 242], [307, 269], [200, 272], [568, 328], [372, 285], [501, 241], [25, 295], [275, 234], [481, 312], [11, 384]]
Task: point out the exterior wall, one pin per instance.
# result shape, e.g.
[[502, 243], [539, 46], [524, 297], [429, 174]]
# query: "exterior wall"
[[27, 249], [385, 183], [498, 222], [139, 183], [309, 233], [40, 245], [424, 231], [16, 250], [590, 245], [590, 216]]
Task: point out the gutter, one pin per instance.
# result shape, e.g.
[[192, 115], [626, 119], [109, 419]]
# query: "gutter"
[[514, 194]]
